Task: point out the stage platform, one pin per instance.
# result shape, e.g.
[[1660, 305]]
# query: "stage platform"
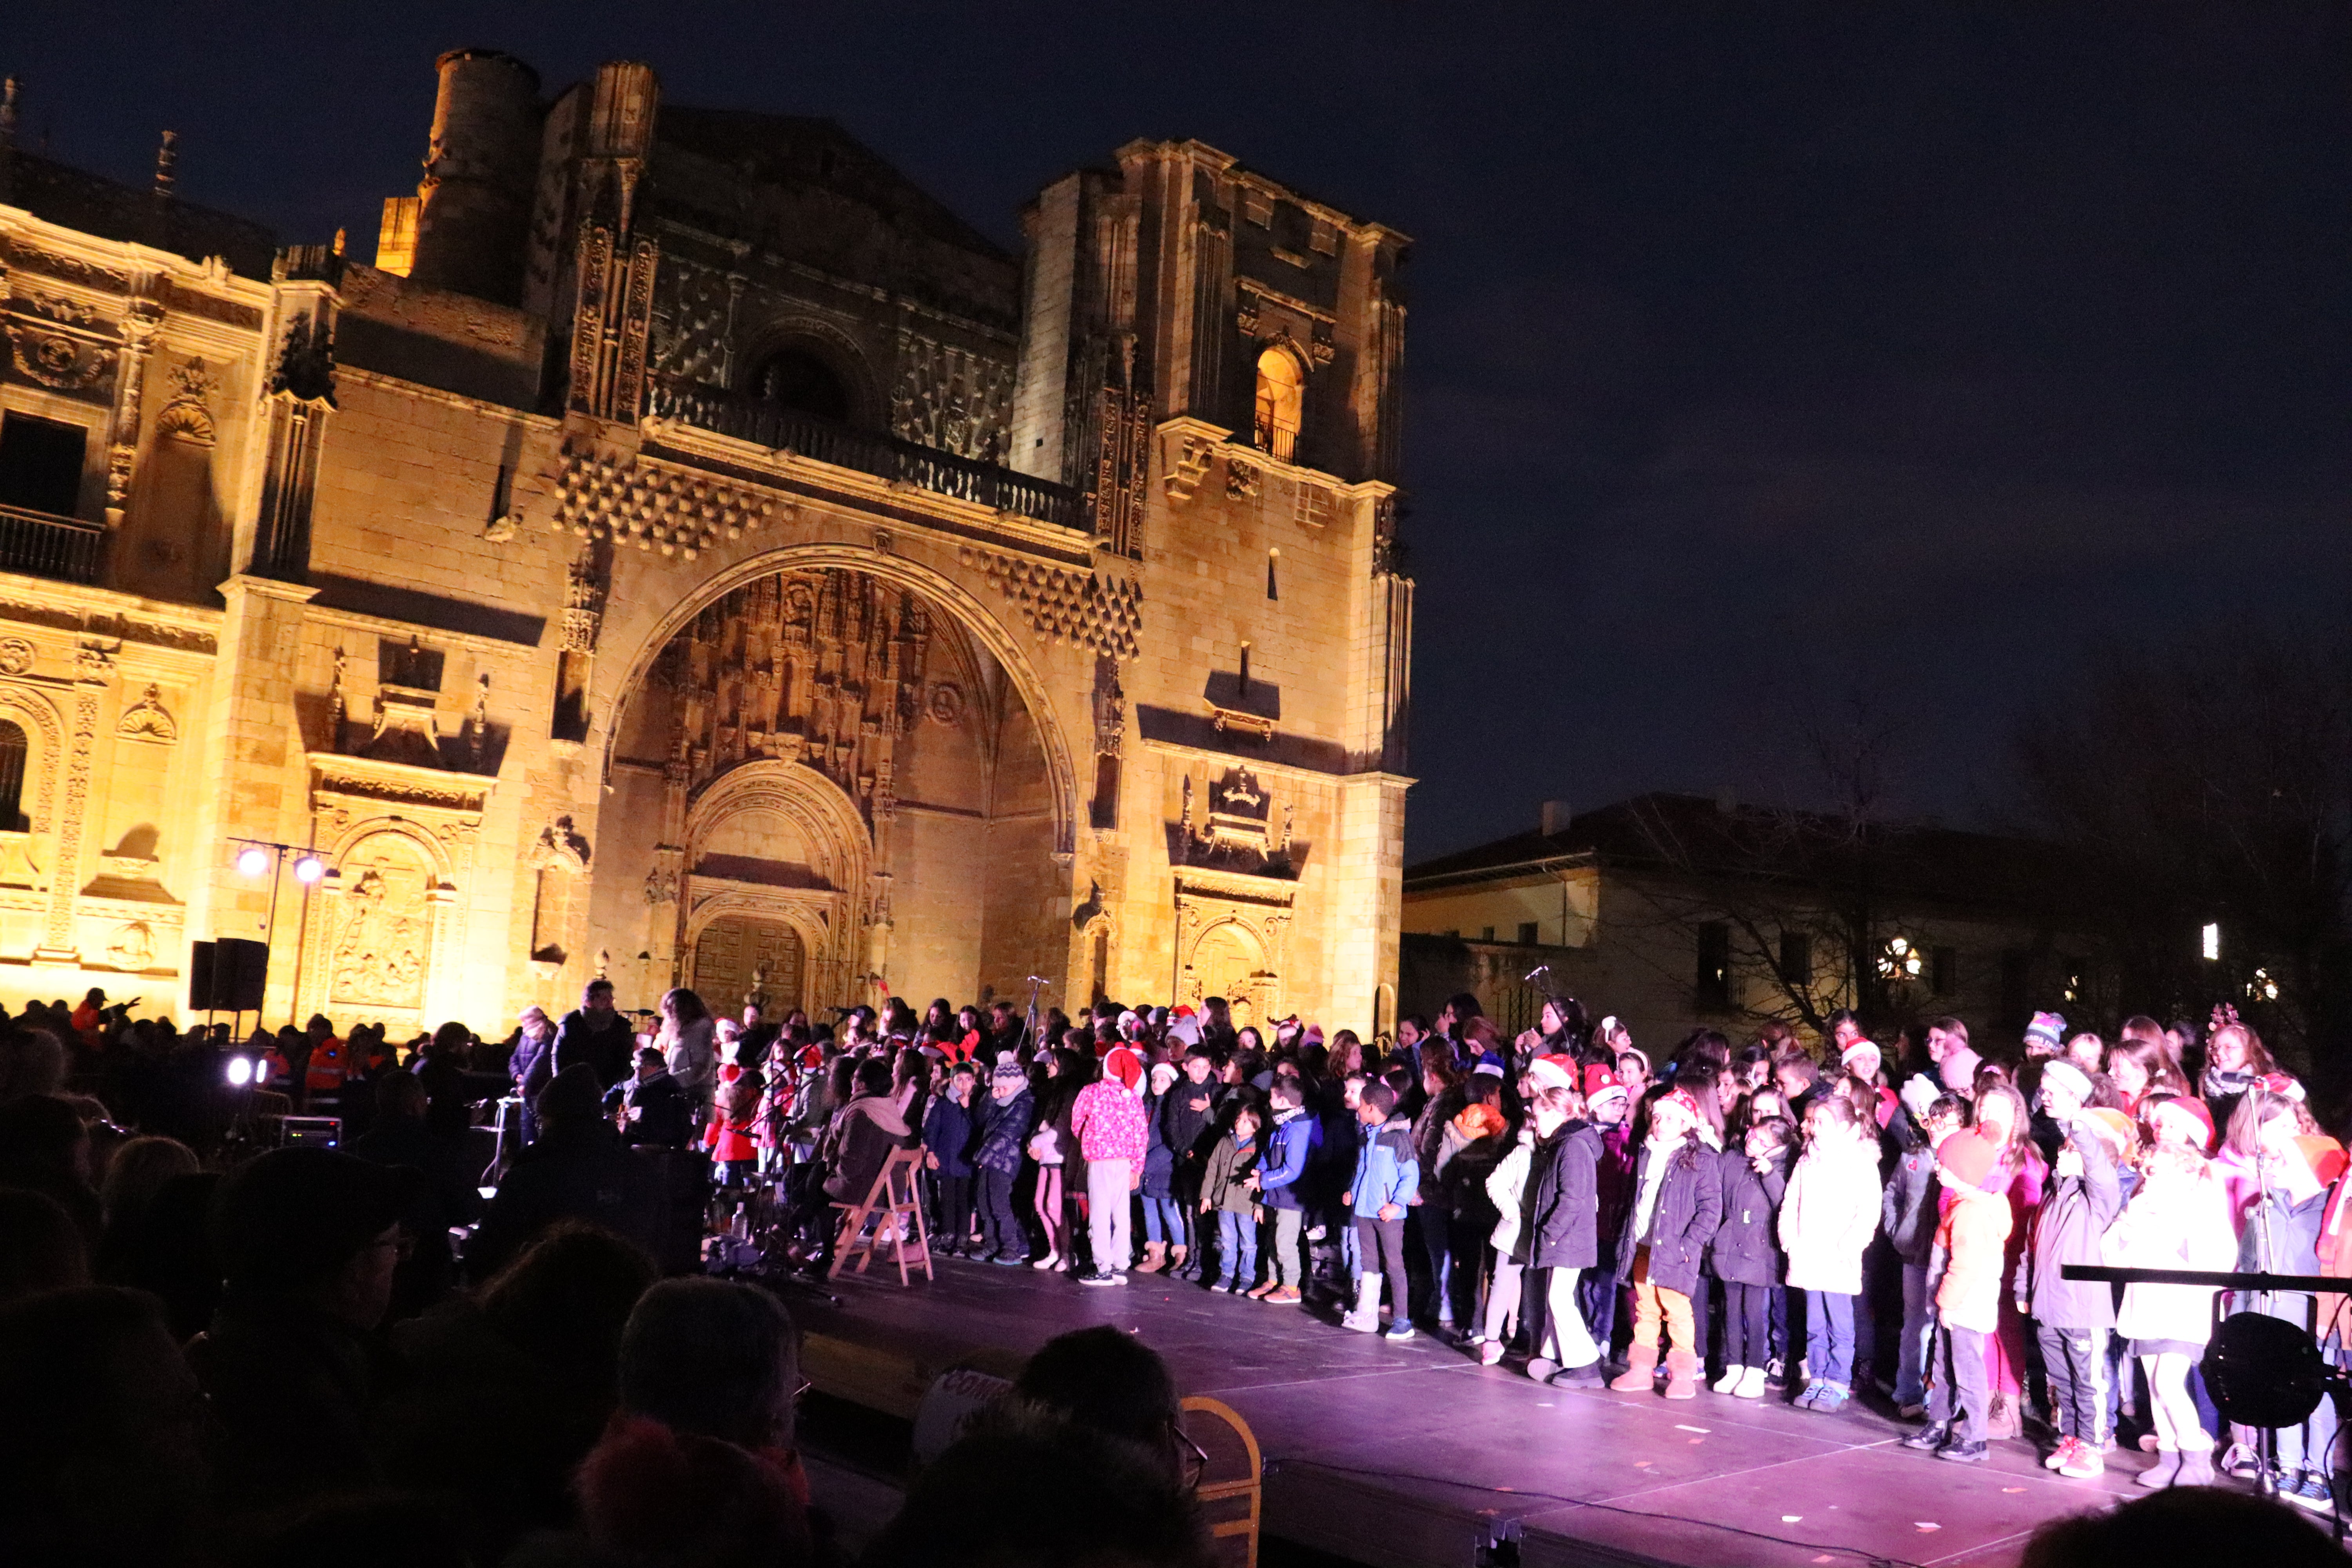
[[1413, 1455]]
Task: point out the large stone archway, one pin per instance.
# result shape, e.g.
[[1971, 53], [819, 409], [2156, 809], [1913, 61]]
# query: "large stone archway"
[[835, 759]]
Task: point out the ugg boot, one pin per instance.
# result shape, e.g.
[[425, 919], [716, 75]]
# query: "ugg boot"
[[1177, 1268], [2196, 1468], [1682, 1374], [1640, 1371], [1729, 1380], [2001, 1417], [1365, 1318], [1155, 1258], [2162, 1472]]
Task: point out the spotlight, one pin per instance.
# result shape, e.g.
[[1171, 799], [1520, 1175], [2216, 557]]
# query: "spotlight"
[[309, 869], [240, 1072], [252, 861], [261, 1071]]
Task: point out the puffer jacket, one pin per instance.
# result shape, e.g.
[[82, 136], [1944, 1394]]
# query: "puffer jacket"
[[1506, 1187], [1191, 1133], [2176, 1220], [1972, 1235], [2068, 1228], [1291, 1146], [1386, 1171], [1908, 1209], [1005, 1132], [1689, 1207], [1158, 1160], [1561, 1215], [1746, 1249], [1829, 1215]]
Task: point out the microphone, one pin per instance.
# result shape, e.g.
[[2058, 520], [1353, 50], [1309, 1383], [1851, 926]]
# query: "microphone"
[[1538, 969]]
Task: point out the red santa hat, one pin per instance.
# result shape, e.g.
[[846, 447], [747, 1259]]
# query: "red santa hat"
[[1123, 1065], [1553, 1072]]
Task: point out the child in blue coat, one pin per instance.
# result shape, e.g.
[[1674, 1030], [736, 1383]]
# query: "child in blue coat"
[[1388, 1178]]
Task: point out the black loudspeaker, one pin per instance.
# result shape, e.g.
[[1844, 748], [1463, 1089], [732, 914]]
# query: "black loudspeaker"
[[240, 973], [200, 977]]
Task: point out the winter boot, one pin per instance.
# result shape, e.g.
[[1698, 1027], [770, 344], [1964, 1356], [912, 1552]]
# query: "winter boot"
[[1729, 1380], [1640, 1371], [1177, 1268], [1365, 1318], [1682, 1374], [1155, 1258], [2196, 1468], [2165, 1469]]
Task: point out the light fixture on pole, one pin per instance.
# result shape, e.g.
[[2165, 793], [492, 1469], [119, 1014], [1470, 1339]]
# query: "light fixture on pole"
[[256, 857]]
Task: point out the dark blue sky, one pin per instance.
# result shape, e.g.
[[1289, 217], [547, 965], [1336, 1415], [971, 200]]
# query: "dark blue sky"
[[1760, 355]]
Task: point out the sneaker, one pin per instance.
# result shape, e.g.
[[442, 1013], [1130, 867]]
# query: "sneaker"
[[1914, 1411], [1261, 1293], [1833, 1398], [1099, 1277], [1729, 1380], [1928, 1439], [1751, 1385], [1225, 1286], [1776, 1373], [1540, 1368], [1008, 1260], [1589, 1375], [1810, 1399], [2058, 1456], [1399, 1332], [2241, 1463], [1284, 1295], [2308, 1491], [1051, 1260], [2083, 1462], [1489, 1353], [1975, 1453]]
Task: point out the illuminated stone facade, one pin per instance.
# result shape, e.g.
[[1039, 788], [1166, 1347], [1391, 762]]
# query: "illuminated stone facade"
[[692, 553]]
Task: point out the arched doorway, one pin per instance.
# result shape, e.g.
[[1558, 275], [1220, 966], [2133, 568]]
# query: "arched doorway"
[[739, 956], [830, 751], [799, 380]]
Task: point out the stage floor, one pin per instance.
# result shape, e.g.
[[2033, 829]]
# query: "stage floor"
[[1415, 1457]]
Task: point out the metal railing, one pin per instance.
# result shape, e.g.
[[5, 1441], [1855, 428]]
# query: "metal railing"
[[43, 544], [821, 440]]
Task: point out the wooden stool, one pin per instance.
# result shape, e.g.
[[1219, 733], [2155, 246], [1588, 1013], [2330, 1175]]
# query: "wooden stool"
[[1230, 1488], [896, 1207]]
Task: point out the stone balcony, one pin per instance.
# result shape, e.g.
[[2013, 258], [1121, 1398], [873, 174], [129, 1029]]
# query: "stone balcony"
[[886, 456]]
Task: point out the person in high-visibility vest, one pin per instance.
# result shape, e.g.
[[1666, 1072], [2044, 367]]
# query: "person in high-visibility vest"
[[329, 1062]]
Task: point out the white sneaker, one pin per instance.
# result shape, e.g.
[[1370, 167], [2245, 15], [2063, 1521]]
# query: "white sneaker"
[[1729, 1380], [1751, 1383]]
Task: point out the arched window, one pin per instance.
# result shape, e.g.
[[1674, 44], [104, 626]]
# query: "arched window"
[[12, 776], [1279, 386], [798, 380]]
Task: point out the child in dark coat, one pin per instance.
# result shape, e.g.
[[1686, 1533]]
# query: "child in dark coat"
[[1746, 1253], [1562, 1239], [1004, 1125], [948, 1137], [1677, 1202]]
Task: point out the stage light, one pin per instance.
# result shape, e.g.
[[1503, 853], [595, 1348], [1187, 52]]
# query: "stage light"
[[240, 1072], [309, 869], [252, 861]]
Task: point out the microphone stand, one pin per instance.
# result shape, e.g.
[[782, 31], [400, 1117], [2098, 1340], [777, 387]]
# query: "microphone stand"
[[1029, 1018]]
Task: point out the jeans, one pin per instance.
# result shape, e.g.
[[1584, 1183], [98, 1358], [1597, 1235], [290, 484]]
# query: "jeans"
[[1000, 1223], [2076, 1360], [1431, 1224], [1829, 1337], [1596, 1297], [1918, 1336], [1956, 1382], [1236, 1248], [1288, 1224], [1163, 1222], [1747, 1330], [1110, 1223], [1565, 1338], [1380, 1244], [1467, 1243]]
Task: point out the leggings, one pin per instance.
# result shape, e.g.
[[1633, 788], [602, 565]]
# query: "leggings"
[[1380, 1245], [1049, 1211], [2177, 1422], [1501, 1300], [1747, 1327]]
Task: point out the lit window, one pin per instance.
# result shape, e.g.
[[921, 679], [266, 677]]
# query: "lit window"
[[1279, 386], [2209, 939]]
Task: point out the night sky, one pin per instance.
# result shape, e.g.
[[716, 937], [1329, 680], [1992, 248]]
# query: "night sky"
[[1760, 356]]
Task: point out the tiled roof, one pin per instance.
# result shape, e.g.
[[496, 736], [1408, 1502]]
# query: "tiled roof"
[[76, 199]]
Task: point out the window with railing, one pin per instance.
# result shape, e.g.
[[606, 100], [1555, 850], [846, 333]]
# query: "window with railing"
[[1281, 392], [40, 487]]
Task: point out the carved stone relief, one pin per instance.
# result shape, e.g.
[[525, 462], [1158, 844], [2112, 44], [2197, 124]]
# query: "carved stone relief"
[[951, 398], [148, 720]]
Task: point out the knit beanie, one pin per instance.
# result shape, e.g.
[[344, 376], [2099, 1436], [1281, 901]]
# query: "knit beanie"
[[2060, 1071], [1008, 1072]]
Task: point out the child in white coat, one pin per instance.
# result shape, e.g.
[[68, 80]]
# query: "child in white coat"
[[1827, 1219]]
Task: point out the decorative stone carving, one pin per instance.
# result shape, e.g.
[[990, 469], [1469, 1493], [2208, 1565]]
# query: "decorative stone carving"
[[951, 398], [651, 505], [693, 326], [16, 656], [305, 370], [559, 847], [132, 945], [1188, 461], [57, 360], [94, 662], [1241, 480], [382, 949], [148, 720], [947, 704], [1066, 605]]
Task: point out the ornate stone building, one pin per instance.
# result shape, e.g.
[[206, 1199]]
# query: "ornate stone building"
[[691, 554]]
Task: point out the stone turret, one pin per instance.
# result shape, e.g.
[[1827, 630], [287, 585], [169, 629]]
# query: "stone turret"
[[479, 175]]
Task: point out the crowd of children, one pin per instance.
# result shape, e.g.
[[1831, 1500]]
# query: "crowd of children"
[[1766, 1221]]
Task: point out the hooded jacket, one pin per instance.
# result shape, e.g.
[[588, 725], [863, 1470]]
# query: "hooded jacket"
[[1289, 1146], [1746, 1245], [1191, 1133], [1386, 1171], [1683, 1219], [1229, 1164], [1907, 1208], [1829, 1215], [1507, 1188], [1560, 1222], [2068, 1228], [948, 1133], [861, 1139]]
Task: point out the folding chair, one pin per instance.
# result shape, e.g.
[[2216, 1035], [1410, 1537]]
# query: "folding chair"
[[896, 1207]]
